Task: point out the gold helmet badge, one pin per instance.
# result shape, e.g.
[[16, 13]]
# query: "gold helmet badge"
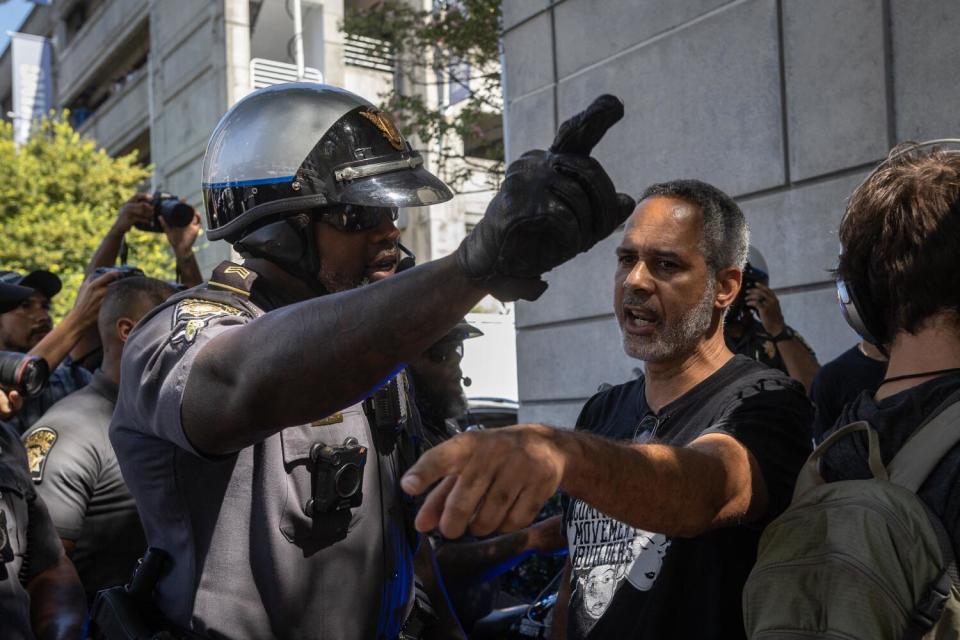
[[387, 127]]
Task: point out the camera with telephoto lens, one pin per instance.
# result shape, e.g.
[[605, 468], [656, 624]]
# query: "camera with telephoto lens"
[[125, 271], [337, 476], [170, 208], [25, 373]]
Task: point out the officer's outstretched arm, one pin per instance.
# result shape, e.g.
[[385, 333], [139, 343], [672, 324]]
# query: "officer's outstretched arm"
[[308, 360]]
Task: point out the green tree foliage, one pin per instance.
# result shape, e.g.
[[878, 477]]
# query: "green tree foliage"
[[456, 35], [59, 194]]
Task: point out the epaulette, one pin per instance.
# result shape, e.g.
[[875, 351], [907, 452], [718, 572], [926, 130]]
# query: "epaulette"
[[232, 277]]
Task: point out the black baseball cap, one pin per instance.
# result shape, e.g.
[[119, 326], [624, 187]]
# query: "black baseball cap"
[[39, 280], [12, 295], [463, 331]]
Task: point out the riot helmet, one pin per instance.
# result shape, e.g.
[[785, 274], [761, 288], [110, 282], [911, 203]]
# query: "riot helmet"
[[292, 153]]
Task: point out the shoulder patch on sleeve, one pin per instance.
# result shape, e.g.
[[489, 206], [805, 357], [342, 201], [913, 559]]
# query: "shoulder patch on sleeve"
[[191, 315], [38, 443]]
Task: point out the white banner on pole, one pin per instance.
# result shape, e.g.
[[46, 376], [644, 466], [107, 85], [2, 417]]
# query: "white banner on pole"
[[32, 82]]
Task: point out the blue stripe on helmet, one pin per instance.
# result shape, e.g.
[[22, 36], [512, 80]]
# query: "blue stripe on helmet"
[[248, 183]]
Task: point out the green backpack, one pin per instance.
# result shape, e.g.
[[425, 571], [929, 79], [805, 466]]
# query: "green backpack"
[[861, 558]]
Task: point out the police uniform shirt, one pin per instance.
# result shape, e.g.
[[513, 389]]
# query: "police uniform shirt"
[[28, 541], [76, 473], [248, 562]]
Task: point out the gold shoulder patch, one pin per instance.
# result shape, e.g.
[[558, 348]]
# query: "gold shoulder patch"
[[38, 443], [192, 315], [386, 125], [335, 418]]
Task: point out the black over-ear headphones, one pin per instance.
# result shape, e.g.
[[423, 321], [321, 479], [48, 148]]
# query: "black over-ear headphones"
[[853, 305]]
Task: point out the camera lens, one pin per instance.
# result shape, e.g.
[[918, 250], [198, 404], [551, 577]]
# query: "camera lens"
[[348, 479], [27, 374], [176, 213]]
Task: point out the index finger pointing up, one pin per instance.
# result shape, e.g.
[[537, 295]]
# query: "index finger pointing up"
[[581, 133]]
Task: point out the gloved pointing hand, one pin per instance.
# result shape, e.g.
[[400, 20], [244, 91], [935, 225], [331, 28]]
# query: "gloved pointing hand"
[[552, 205]]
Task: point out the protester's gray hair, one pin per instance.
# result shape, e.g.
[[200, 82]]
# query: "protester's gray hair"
[[726, 236]]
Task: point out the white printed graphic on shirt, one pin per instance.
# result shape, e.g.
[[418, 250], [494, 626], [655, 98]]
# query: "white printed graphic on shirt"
[[604, 551]]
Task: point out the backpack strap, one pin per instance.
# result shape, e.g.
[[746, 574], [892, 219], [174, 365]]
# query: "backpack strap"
[[922, 452], [810, 473]]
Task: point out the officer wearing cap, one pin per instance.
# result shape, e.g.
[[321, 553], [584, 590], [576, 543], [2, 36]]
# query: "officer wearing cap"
[[242, 425], [28, 327], [436, 378]]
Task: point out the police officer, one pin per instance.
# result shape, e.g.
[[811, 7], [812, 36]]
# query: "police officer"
[[238, 427], [72, 463], [40, 594], [436, 378]]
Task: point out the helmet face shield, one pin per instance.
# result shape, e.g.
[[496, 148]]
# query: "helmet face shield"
[[404, 188]]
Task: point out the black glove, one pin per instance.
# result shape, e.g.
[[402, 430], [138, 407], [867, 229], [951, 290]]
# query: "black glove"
[[552, 205]]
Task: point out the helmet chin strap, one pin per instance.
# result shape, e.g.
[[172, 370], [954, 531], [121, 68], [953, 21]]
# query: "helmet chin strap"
[[290, 244]]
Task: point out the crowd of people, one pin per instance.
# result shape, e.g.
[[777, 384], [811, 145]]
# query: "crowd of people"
[[276, 452]]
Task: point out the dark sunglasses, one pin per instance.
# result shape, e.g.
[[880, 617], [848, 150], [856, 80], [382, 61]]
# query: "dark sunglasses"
[[355, 217], [442, 352]]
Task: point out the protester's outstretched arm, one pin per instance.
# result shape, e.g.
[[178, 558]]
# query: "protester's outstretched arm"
[[498, 480], [136, 210], [799, 359], [464, 562], [57, 602], [55, 346], [318, 356], [181, 241]]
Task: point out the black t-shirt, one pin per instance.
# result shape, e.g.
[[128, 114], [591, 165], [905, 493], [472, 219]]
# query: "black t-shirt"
[[839, 382], [895, 419], [629, 583]]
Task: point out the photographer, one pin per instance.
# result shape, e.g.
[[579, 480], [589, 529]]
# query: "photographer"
[[28, 328], [11, 296], [161, 213], [755, 327], [141, 211]]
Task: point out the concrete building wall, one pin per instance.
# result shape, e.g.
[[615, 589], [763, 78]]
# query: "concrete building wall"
[[785, 105]]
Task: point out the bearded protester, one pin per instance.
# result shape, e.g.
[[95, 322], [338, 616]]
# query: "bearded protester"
[[671, 477]]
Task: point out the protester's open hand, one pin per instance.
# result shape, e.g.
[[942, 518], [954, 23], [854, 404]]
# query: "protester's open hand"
[[136, 210], [490, 480], [10, 403], [552, 205], [181, 239], [764, 300], [89, 298]]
